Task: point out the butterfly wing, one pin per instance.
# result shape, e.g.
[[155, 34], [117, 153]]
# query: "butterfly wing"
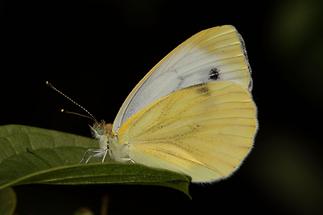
[[214, 54], [204, 131]]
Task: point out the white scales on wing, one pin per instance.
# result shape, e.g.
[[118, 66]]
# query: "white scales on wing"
[[214, 54]]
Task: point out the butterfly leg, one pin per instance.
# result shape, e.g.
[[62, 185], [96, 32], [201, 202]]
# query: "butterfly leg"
[[127, 160], [131, 161], [105, 154], [90, 153]]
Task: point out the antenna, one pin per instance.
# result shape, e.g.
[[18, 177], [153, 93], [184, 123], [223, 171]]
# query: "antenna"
[[75, 113], [74, 102]]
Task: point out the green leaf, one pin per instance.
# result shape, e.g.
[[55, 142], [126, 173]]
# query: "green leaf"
[[32, 155], [7, 201]]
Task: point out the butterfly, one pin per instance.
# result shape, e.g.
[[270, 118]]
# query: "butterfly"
[[193, 113]]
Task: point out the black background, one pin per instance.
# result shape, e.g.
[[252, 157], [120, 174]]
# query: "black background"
[[96, 51]]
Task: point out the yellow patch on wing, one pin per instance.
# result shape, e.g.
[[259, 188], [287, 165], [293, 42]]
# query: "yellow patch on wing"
[[204, 131]]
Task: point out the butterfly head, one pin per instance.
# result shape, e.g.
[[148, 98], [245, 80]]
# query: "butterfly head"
[[102, 132], [101, 128], [109, 141]]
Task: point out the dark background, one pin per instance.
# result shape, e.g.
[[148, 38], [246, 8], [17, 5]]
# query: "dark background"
[[96, 51]]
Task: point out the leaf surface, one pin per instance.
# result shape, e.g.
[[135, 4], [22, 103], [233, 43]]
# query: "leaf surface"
[[32, 155]]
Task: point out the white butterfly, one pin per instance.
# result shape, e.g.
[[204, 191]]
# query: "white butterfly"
[[193, 113]]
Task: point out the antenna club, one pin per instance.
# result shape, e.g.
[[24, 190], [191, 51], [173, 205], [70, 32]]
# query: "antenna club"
[[50, 85]]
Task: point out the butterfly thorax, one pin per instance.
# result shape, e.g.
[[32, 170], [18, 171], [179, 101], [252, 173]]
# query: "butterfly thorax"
[[108, 141]]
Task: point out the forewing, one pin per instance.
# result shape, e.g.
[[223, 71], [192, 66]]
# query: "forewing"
[[211, 55], [204, 131]]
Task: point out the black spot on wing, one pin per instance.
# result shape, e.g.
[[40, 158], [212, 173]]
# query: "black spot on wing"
[[214, 74]]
